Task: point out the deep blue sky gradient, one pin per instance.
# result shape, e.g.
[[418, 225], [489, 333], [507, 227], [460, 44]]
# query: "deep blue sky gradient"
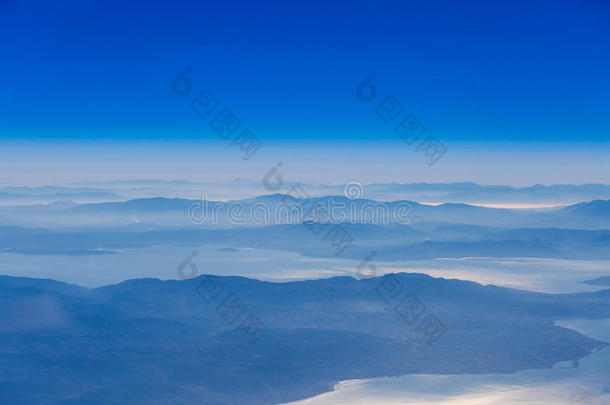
[[471, 71]]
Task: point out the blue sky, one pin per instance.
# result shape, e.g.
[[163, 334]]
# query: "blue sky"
[[485, 77]]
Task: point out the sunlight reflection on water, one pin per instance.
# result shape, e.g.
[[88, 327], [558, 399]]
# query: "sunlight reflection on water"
[[589, 383]]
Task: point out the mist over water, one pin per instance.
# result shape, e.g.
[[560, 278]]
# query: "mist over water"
[[534, 274]]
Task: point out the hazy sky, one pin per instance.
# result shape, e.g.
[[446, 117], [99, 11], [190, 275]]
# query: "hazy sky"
[[517, 92]]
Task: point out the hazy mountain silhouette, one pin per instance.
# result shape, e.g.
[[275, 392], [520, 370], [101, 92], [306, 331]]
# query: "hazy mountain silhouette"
[[148, 341]]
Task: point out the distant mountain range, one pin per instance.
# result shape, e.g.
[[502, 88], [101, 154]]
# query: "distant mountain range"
[[275, 209], [605, 281], [466, 192], [156, 342], [475, 193], [397, 242]]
